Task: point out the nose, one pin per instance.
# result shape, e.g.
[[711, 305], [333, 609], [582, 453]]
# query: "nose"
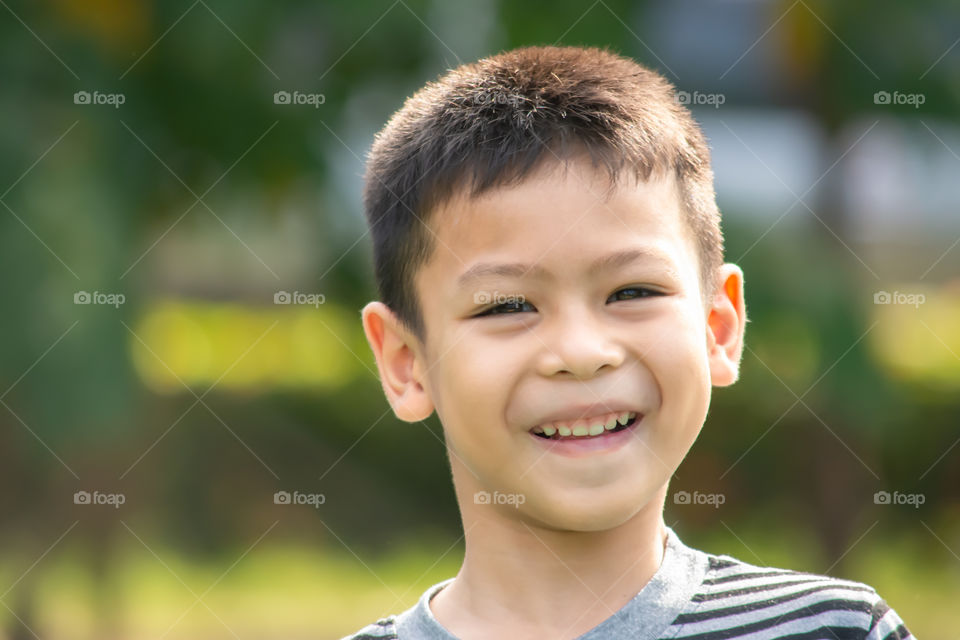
[[579, 344]]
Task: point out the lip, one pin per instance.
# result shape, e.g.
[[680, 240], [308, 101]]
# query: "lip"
[[587, 411], [580, 447]]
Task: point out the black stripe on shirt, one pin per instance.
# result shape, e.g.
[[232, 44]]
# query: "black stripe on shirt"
[[900, 633], [835, 633], [753, 574], [732, 593], [717, 562], [797, 614], [760, 604]]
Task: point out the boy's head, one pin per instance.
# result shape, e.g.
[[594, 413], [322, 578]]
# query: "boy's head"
[[553, 158]]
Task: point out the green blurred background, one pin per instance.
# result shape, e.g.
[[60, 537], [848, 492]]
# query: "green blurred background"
[[149, 167]]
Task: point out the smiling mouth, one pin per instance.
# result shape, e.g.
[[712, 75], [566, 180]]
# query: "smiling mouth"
[[634, 417]]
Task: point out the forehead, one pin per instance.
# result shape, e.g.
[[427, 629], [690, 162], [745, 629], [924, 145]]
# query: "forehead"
[[562, 221]]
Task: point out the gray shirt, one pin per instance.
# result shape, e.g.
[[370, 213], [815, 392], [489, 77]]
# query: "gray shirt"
[[696, 595]]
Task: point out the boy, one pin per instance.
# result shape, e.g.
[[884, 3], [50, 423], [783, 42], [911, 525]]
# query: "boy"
[[550, 263]]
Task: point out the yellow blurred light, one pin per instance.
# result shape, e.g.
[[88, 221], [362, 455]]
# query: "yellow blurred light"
[[118, 26], [918, 339], [245, 348]]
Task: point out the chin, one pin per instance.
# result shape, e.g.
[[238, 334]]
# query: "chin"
[[585, 513]]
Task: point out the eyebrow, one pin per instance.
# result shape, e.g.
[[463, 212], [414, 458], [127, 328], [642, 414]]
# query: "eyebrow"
[[603, 263]]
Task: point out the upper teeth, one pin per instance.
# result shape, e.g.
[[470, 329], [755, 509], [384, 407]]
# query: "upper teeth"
[[585, 426]]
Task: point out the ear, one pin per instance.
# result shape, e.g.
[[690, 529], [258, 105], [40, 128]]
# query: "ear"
[[726, 325], [400, 364]]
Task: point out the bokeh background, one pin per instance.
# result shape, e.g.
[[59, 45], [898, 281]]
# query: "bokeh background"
[[160, 197]]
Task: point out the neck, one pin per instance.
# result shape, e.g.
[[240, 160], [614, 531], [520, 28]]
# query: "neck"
[[520, 576]]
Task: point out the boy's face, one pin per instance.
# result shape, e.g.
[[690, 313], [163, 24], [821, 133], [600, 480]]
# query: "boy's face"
[[567, 338]]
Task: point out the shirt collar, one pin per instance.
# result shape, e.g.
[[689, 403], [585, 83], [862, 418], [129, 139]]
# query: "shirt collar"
[[647, 615]]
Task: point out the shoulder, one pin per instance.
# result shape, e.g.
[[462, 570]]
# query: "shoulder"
[[737, 598], [383, 629], [415, 622]]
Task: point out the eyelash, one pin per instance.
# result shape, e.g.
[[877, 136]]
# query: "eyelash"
[[489, 312]]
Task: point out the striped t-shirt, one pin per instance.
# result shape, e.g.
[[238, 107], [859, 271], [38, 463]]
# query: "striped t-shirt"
[[700, 596]]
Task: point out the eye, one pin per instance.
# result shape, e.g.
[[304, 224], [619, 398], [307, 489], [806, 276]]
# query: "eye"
[[514, 306], [638, 292]]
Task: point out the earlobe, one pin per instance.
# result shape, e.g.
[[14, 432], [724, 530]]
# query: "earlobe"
[[726, 325], [399, 364]]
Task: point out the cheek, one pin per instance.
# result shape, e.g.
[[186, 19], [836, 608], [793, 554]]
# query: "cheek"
[[470, 398], [671, 335], [676, 353], [686, 383]]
